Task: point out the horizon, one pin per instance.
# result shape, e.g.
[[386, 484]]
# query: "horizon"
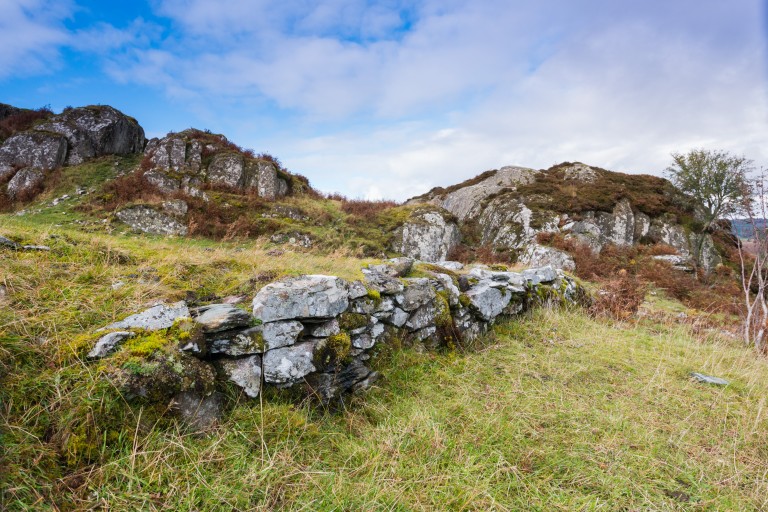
[[390, 99]]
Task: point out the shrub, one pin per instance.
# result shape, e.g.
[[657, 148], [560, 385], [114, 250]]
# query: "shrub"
[[620, 297], [22, 121]]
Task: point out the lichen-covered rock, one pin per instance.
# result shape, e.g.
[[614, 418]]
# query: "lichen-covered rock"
[[268, 184], [226, 169], [94, 131], [539, 255], [678, 262], [109, 343], [303, 298], [25, 182], [237, 343], [351, 377], [287, 365], [488, 301], [427, 235], [221, 317], [245, 372], [148, 220], [535, 276], [417, 292], [382, 283], [281, 333], [164, 376], [198, 411], [155, 318], [38, 150]]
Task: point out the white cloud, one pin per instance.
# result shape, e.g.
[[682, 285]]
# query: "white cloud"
[[31, 34]]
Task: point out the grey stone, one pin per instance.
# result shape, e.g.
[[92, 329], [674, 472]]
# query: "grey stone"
[[382, 283], [32, 149], [450, 289], [199, 412], [539, 255], [281, 334], [356, 289], [109, 343], [540, 275], [288, 365], [162, 182], [148, 220], [427, 235], [155, 318], [417, 292], [226, 169], [422, 317], [94, 131], [221, 317], [327, 386], [325, 329], [176, 207], [678, 262], [305, 297], [450, 265], [238, 342], [708, 379], [7, 242], [25, 181], [245, 372], [363, 341], [489, 302], [267, 182]]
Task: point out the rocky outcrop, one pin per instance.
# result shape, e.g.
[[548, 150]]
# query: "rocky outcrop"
[[149, 220], [506, 209], [95, 131], [427, 235], [69, 138], [192, 159], [317, 333]]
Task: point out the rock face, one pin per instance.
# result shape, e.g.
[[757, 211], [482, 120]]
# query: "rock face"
[[94, 131], [148, 220], [191, 159], [428, 235], [69, 138], [39, 150], [509, 207]]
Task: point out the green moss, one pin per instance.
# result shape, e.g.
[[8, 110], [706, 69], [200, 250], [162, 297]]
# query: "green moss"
[[349, 321], [146, 344], [374, 295], [464, 300]]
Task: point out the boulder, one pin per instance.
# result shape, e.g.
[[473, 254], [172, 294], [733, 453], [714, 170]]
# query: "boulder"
[[539, 255], [427, 235], [25, 182], [678, 262], [221, 317], [39, 150], [148, 220], [310, 297], [287, 365], [268, 184], [155, 318], [245, 372], [226, 169], [94, 131]]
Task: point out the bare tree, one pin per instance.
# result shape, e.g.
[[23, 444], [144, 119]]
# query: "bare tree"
[[754, 266]]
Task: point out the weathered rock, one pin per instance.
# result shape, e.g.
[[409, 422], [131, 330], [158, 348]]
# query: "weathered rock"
[[487, 301], [382, 283], [268, 184], [8, 243], [39, 150], [704, 251], [424, 316], [417, 292], [325, 329], [155, 318], [677, 262], [450, 265], [580, 172], [618, 227], [199, 412], [237, 343], [327, 386], [397, 317], [540, 275], [226, 169], [108, 344], [148, 220], [176, 207], [450, 289], [288, 365], [95, 131], [164, 376], [245, 372], [427, 235], [708, 379], [221, 317], [539, 255], [281, 333], [356, 289], [305, 297], [25, 182]]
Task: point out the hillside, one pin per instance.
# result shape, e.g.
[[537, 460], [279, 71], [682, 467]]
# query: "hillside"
[[186, 324]]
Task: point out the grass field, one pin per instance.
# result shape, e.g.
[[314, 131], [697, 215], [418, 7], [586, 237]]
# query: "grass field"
[[553, 411]]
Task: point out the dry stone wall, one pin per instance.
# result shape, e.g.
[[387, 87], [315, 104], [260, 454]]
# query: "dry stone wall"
[[317, 333]]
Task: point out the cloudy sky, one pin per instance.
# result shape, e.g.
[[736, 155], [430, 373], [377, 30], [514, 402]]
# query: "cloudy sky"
[[390, 98]]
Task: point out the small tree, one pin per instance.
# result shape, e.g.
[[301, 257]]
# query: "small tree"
[[716, 180]]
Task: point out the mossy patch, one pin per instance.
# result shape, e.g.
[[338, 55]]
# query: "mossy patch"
[[349, 321]]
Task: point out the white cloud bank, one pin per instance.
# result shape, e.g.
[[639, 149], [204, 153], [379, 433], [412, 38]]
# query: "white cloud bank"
[[393, 97]]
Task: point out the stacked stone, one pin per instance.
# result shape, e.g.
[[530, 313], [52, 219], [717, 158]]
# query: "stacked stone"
[[319, 331]]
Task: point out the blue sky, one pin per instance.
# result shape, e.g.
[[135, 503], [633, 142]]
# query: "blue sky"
[[391, 98]]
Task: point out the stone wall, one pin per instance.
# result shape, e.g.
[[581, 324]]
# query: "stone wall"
[[317, 333]]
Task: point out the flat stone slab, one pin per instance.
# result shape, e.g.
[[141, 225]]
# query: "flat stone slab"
[[155, 318], [708, 379], [221, 317], [109, 343], [302, 298]]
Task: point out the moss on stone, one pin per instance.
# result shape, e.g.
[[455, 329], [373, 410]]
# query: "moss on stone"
[[349, 321]]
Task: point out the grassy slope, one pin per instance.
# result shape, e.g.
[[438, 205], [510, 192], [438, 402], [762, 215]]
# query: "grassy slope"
[[559, 411]]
